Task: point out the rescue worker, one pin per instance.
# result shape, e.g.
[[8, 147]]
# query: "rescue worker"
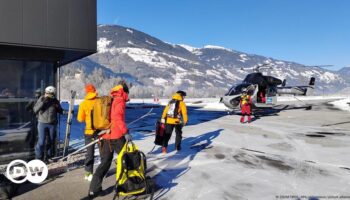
[[46, 108], [245, 104], [262, 97], [84, 115], [114, 141], [174, 116]]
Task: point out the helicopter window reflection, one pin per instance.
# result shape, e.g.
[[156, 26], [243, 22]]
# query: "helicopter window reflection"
[[237, 89]]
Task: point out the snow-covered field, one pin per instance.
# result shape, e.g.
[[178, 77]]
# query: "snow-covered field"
[[287, 154]]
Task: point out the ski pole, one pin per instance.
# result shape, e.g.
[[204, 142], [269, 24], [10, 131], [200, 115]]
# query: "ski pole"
[[106, 131], [90, 144], [143, 116]]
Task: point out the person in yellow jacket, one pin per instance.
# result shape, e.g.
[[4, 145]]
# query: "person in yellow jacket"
[[84, 115], [174, 116]]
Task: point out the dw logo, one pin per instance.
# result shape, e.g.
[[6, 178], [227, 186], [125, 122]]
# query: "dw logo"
[[35, 171]]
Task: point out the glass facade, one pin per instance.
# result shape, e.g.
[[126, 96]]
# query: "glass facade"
[[18, 82]]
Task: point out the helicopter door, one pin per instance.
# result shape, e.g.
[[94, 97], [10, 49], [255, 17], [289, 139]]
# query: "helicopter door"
[[271, 95], [254, 93]]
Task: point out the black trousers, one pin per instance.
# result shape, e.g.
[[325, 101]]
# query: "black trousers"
[[169, 130], [90, 154], [108, 147]]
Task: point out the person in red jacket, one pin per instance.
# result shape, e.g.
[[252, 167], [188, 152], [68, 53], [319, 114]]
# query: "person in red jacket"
[[114, 141], [245, 104]]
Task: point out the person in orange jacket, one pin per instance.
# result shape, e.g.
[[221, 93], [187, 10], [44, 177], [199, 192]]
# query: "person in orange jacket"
[[245, 104], [172, 118], [114, 141], [84, 115]]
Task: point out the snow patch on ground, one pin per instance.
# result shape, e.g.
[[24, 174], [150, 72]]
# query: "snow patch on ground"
[[307, 73], [130, 31], [243, 58], [329, 77], [151, 43], [129, 42], [190, 81], [102, 45], [208, 83], [159, 81], [188, 48], [343, 104], [197, 72], [230, 75], [216, 47], [213, 73], [179, 58], [146, 56]]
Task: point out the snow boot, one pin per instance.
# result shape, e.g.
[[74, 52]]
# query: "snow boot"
[[164, 150], [88, 176], [242, 119], [249, 118]]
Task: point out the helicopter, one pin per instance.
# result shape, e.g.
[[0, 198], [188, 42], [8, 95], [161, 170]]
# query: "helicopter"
[[263, 90]]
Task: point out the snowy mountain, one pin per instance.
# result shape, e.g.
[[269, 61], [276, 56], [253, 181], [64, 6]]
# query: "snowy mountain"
[[158, 68]]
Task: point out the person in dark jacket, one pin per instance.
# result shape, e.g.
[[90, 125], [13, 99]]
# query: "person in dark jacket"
[[114, 141], [46, 108], [33, 118]]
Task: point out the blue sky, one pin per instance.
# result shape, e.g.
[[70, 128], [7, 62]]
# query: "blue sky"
[[310, 32]]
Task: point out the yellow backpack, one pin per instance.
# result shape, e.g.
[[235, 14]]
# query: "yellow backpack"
[[130, 173], [101, 118]]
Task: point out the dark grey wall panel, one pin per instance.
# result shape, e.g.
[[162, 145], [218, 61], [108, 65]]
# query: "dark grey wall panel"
[[78, 23], [11, 21], [62, 24], [34, 22], [92, 24], [57, 23]]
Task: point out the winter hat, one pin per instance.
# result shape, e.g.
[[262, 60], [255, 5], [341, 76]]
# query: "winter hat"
[[90, 88], [182, 93]]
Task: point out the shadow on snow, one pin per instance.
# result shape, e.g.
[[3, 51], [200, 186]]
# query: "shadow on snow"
[[176, 165]]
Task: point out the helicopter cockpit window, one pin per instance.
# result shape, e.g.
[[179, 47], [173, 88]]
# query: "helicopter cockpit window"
[[237, 89]]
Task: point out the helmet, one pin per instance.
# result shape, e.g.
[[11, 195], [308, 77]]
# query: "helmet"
[[244, 90], [50, 90]]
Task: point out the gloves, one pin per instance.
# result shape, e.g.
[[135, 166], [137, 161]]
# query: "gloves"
[[45, 100], [162, 121], [128, 137]]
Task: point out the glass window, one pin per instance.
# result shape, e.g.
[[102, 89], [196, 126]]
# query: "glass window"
[[18, 82]]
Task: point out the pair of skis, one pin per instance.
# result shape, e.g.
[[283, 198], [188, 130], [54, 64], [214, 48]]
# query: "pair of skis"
[[149, 113], [69, 121]]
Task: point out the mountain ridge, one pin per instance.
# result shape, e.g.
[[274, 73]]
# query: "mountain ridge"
[[158, 68]]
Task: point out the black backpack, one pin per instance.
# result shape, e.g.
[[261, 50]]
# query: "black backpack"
[[173, 108]]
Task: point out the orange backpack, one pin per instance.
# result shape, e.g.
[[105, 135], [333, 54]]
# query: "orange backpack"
[[101, 117]]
